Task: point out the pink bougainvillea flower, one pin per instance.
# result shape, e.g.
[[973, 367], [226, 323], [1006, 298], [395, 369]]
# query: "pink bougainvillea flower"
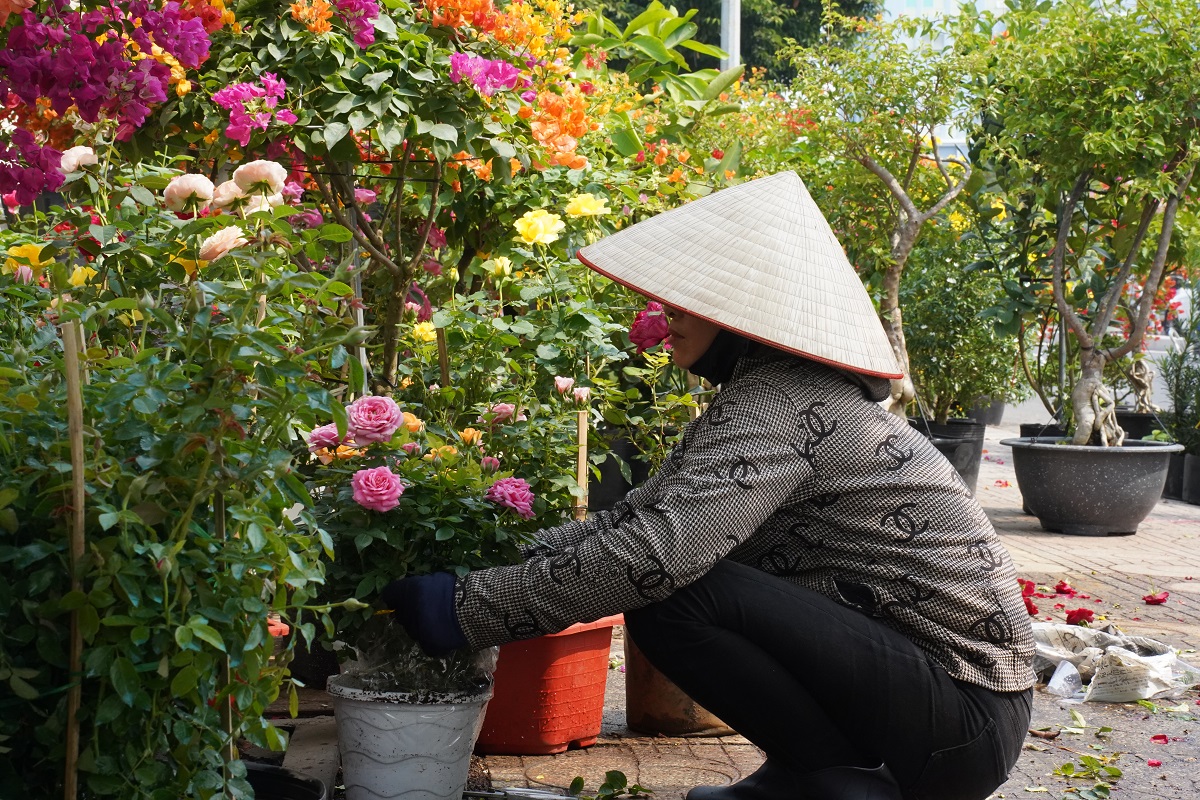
[[1156, 599], [563, 385], [373, 419], [512, 493], [323, 437], [649, 327], [1078, 616], [489, 76], [378, 489], [436, 238], [364, 197]]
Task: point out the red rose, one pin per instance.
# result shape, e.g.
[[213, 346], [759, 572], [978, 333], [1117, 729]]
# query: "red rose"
[[718, 153], [1030, 607], [1078, 616], [1156, 599]]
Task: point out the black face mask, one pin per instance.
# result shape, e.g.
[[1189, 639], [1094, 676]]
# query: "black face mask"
[[717, 363]]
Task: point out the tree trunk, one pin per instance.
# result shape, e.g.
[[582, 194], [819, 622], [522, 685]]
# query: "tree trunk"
[[903, 240], [385, 383], [1094, 406]]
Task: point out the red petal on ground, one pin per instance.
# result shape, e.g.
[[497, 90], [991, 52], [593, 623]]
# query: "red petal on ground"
[[1077, 616], [1030, 607], [1062, 587], [1156, 599], [1154, 762], [1159, 738]]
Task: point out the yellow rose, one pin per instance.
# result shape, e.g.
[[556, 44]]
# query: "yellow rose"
[[81, 276], [539, 227], [443, 452], [587, 205], [424, 332], [412, 423], [500, 267], [470, 436], [29, 252]]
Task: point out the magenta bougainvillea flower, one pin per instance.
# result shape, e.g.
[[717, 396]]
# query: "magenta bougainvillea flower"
[[513, 493], [649, 327], [359, 16], [488, 75], [253, 106]]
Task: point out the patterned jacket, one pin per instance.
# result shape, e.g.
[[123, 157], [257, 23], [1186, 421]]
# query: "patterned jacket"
[[793, 471]]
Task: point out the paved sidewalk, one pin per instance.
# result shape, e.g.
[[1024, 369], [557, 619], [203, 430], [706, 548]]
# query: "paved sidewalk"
[[1115, 572]]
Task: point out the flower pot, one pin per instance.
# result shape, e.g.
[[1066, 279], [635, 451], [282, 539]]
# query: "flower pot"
[[610, 487], [392, 747], [960, 441], [1050, 430], [1191, 480], [655, 705], [1090, 491], [549, 692], [987, 411], [1136, 425], [278, 783], [1173, 488]]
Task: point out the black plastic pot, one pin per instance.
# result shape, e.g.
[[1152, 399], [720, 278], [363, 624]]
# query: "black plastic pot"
[[987, 411], [1173, 488], [1191, 479], [1050, 430], [1135, 425], [1090, 491], [279, 783], [611, 487], [960, 441]]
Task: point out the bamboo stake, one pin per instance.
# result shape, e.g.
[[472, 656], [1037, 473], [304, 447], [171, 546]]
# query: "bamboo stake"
[[581, 475], [443, 356], [72, 347]]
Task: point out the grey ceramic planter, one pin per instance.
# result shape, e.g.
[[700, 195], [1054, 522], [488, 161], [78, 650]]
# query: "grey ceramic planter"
[[1090, 491]]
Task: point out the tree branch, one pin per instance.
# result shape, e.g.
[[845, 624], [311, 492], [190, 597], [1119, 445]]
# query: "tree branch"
[[332, 201], [892, 184], [1066, 215], [1115, 291]]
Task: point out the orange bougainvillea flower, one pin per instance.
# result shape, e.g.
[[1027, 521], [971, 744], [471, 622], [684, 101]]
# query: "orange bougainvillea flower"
[[315, 14], [478, 14], [676, 176]]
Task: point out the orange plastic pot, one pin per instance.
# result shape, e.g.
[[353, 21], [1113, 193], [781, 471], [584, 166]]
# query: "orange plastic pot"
[[549, 692]]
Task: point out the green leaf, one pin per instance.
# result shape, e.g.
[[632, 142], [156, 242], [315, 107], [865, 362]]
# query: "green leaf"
[[358, 376], [723, 81], [576, 786], [444, 533], [360, 119], [678, 32], [626, 141], [143, 195], [22, 689], [377, 79], [704, 49], [124, 679], [184, 681], [8, 495], [207, 633], [651, 15], [293, 701], [502, 148], [652, 47], [334, 132], [447, 133]]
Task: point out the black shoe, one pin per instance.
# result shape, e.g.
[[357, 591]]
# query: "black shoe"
[[771, 781], [852, 783]]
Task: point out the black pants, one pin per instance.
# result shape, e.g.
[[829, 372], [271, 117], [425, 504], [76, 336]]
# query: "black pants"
[[815, 684]]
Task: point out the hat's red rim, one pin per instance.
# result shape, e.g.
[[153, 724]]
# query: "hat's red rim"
[[794, 351]]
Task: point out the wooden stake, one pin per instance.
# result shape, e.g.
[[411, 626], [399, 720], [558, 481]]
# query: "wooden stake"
[[72, 348], [443, 356], [581, 470]]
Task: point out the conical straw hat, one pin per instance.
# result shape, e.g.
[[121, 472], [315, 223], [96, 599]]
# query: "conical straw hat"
[[759, 259]]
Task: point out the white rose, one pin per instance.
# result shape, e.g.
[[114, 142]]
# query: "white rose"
[[221, 243], [260, 203], [76, 157], [261, 177], [226, 194], [192, 192]]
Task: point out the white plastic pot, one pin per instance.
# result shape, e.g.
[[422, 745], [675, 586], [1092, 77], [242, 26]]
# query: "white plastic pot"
[[393, 748]]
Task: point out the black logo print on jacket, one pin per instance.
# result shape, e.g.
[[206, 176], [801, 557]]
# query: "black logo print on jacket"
[[742, 471], [650, 580], [821, 502], [888, 448], [776, 561], [565, 561], [906, 594], [990, 560], [904, 522], [818, 430], [720, 413], [804, 531], [995, 629], [521, 625]]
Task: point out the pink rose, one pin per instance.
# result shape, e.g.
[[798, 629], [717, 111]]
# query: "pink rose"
[[189, 192], [378, 489], [489, 464], [411, 447], [221, 243], [261, 177], [24, 273], [582, 394], [374, 419], [649, 327], [501, 412], [512, 493], [364, 197], [323, 437], [563, 385], [74, 157]]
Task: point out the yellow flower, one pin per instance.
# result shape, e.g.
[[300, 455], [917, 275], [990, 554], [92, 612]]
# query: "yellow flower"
[[587, 205], [539, 227], [183, 87], [424, 332], [958, 222], [412, 423], [445, 451], [998, 204], [470, 436], [81, 276], [29, 252], [343, 451], [500, 266]]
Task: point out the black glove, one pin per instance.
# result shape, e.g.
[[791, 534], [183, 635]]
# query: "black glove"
[[424, 605]]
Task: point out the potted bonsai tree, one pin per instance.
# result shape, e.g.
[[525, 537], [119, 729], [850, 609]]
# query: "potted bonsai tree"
[[1181, 372], [1089, 109]]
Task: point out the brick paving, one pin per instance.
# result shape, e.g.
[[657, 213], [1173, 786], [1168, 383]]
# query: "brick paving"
[[1114, 571]]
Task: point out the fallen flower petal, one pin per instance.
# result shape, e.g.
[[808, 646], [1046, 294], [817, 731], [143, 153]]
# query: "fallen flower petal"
[[1154, 762], [1078, 616], [1159, 738], [1002, 484], [1156, 599]]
